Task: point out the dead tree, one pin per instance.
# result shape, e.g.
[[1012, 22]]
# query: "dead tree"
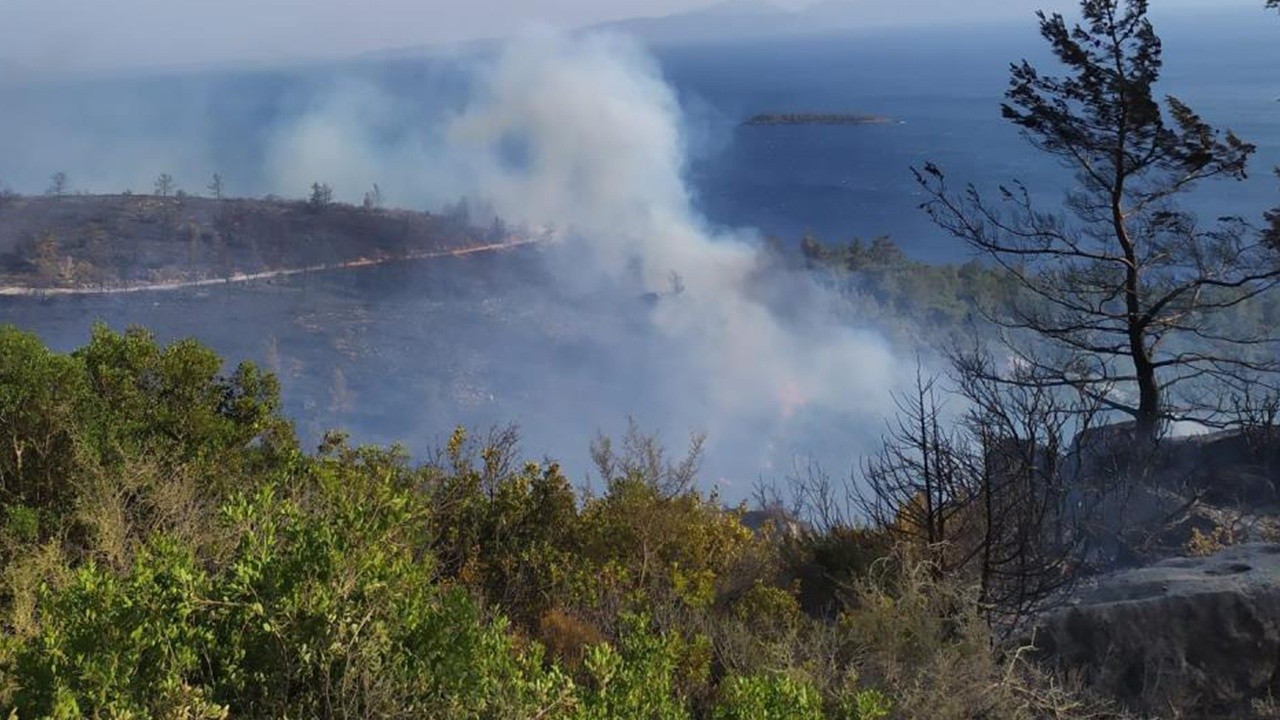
[[993, 493], [321, 197], [920, 486], [1038, 511], [57, 184], [1122, 297]]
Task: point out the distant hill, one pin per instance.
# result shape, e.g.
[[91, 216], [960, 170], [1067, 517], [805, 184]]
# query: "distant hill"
[[844, 13], [748, 19], [732, 19], [736, 20]]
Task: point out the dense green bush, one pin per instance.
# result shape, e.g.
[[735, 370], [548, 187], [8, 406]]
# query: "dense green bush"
[[765, 697], [66, 420], [324, 607]]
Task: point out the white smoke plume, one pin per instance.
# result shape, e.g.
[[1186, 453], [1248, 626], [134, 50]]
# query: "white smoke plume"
[[585, 136]]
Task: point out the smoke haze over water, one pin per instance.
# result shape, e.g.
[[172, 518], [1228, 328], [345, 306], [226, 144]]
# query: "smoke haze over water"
[[584, 136], [599, 155], [686, 327], [625, 161]]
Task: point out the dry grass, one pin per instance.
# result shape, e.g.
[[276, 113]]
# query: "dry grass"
[[924, 641], [566, 638]]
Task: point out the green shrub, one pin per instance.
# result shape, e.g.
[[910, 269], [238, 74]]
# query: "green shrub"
[[325, 607], [168, 552], [635, 681], [117, 647], [22, 524], [767, 697]]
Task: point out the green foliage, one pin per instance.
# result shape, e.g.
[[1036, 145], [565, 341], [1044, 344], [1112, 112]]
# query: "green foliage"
[[329, 601], [172, 400], [766, 697], [114, 646], [780, 697], [636, 680], [325, 606], [674, 547], [827, 563], [168, 552], [69, 421], [930, 302], [866, 705], [652, 536], [878, 279], [41, 414], [508, 529], [22, 524]]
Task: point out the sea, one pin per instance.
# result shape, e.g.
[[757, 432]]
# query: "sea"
[[944, 88]]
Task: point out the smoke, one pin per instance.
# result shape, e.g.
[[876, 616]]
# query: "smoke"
[[107, 136], [639, 306], [351, 136], [583, 135]]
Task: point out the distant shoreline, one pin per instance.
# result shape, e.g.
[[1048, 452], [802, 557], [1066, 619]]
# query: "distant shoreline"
[[115, 244], [819, 119], [28, 291]]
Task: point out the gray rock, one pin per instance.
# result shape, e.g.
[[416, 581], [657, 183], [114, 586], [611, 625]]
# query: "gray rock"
[[1137, 506], [1198, 634], [1230, 467], [1227, 467]]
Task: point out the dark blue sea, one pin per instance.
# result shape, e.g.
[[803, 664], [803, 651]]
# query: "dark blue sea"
[[945, 89]]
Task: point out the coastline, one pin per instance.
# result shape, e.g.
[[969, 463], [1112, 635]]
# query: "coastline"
[[31, 291]]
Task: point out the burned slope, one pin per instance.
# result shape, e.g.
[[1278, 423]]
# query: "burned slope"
[[91, 241]]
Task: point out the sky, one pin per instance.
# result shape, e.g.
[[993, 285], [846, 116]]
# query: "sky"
[[58, 36]]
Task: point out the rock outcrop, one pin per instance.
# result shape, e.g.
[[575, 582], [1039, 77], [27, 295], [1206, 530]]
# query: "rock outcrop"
[[1233, 467], [1141, 507], [1200, 634], [1239, 466]]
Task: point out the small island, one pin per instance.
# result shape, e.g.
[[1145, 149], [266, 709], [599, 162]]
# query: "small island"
[[819, 119]]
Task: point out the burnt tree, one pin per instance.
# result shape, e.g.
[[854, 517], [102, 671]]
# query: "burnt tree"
[[991, 493]]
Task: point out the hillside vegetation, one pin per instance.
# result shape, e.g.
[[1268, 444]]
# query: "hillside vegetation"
[[168, 550], [914, 301]]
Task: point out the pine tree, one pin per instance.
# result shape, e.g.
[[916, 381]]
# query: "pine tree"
[[1120, 293]]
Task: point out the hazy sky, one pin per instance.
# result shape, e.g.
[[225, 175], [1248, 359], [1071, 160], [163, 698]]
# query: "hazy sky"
[[54, 36]]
